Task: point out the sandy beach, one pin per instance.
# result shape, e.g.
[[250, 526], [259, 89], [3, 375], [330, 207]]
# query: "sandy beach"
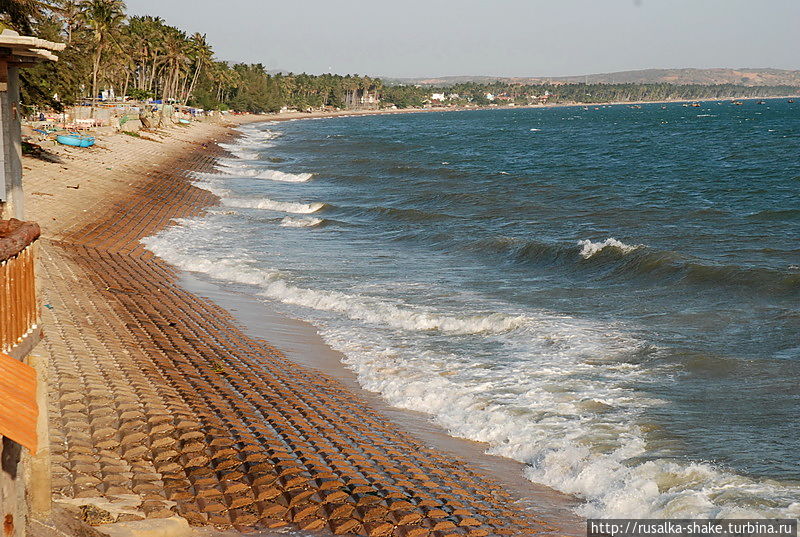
[[163, 404]]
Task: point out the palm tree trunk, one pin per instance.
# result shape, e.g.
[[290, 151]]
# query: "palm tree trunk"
[[152, 77], [127, 81], [183, 97], [194, 81], [95, 70]]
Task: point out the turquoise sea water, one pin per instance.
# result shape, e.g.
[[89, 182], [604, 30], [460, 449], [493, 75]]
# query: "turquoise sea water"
[[610, 295]]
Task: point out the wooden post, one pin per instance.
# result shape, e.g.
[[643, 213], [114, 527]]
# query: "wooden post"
[[12, 129], [4, 183]]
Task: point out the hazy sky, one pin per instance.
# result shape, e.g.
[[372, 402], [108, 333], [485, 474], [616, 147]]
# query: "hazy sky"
[[491, 37]]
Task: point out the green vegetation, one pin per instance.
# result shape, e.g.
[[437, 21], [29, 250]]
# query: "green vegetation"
[[145, 58]]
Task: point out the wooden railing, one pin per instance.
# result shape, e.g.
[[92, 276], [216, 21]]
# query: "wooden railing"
[[19, 308]]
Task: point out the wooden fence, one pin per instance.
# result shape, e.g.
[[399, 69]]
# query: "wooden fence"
[[19, 308]]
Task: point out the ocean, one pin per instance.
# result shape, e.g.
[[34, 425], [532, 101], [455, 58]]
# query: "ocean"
[[610, 295]]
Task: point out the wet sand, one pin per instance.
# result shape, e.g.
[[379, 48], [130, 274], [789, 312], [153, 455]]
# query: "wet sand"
[[162, 403]]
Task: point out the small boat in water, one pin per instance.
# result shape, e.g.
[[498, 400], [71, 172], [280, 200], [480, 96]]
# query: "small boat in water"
[[75, 140], [790, 101]]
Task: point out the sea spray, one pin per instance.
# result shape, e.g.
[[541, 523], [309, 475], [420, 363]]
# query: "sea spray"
[[589, 248]]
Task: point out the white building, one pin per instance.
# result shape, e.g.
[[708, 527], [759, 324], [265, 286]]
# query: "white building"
[[437, 97]]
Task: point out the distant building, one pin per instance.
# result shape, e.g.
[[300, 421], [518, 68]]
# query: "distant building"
[[437, 97], [490, 97], [544, 98]]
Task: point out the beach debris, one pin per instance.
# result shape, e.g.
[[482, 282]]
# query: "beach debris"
[[94, 516], [76, 187]]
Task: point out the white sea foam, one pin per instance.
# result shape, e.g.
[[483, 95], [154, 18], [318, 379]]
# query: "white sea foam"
[[300, 222], [273, 205], [243, 152], [589, 248], [212, 184], [173, 245], [570, 420], [230, 163], [261, 173], [285, 177]]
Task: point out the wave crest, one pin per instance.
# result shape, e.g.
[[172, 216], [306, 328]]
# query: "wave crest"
[[273, 205], [300, 222], [256, 173], [589, 248]]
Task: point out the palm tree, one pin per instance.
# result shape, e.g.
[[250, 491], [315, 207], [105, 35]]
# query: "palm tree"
[[70, 11], [201, 52], [173, 60], [147, 39], [104, 19], [20, 13]]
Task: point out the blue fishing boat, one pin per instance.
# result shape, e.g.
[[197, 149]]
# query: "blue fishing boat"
[[75, 140]]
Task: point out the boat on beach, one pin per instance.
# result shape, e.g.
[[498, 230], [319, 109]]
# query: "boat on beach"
[[75, 140]]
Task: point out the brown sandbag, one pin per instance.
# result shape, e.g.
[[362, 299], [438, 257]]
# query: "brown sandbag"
[[15, 236]]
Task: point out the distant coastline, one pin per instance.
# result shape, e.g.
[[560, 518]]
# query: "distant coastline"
[[320, 114]]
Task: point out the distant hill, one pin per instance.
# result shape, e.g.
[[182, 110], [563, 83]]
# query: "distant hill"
[[744, 77]]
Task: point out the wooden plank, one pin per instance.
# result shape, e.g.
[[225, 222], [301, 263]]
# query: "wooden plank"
[[18, 409]]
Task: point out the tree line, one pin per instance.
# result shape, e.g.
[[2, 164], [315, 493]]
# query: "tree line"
[[143, 57], [473, 93]]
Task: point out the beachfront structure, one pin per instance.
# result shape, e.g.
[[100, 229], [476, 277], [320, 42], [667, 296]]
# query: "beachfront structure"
[[24, 475], [16, 52]]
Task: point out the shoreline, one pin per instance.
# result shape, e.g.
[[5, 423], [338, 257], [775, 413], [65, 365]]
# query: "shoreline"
[[158, 398]]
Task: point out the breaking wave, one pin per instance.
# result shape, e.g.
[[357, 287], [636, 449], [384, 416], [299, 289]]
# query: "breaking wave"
[[273, 205], [260, 173], [300, 222], [614, 259], [589, 248], [363, 308]]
